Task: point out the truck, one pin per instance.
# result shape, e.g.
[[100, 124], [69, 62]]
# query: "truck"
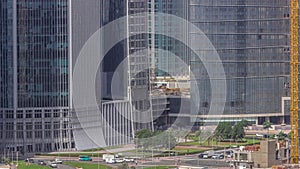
[[109, 158]]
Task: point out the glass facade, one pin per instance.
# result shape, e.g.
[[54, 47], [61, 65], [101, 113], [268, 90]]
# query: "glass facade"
[[165, 63], [42, 33], [252, 40], [6, 50], [34, 81]]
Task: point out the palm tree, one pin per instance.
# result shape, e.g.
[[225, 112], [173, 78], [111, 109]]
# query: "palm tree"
[[267, 125]]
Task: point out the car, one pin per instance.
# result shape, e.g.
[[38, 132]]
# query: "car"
[[84, 158], [29, 160], [53, 164], [41, 162], [119, 160], [205, 156], [128, 159], [215, 156], [221, 156], [200, 155], [58, 161]]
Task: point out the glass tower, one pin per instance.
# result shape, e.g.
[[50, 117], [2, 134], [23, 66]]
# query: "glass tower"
[[165, 62], [252, 40], [34, 79]]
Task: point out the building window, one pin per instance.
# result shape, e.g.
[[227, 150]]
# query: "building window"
[[48, 134], [56, 134], [47, 115], [29, 134], [38, 147], [9, 115], [29, 148], [20, 115], [28, 115], [38, 115], [47, 147], [38, 134], [56, 114]]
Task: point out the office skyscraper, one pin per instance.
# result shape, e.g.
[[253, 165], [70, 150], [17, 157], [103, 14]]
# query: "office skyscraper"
[[34, 76], [40, 42], [165, 62], [252, 40]]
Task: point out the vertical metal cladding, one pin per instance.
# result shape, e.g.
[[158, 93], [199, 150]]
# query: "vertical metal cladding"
[[42, 31], [6, 52], [34, 76]]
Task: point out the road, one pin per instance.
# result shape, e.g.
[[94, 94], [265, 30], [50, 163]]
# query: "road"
[[190, 160]]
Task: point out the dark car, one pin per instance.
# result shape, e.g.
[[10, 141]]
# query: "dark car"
[[41, 162], [29, 160], [200, 155]]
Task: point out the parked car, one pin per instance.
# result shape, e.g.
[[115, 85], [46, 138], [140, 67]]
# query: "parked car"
[[58, 161], [128, 159], [200, 155], [41, 162], [53, 164], [119, 160], [218, 156], [215, 156], [84, 158], [205, 156], [29, 160]]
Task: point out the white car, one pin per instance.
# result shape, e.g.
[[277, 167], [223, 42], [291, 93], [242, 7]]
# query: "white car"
[[119, 160], [58, 161], [215, 156], [205, 156], [128, 159], [53, 165]]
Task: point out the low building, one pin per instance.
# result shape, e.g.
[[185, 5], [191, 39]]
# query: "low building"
[[268, 154]]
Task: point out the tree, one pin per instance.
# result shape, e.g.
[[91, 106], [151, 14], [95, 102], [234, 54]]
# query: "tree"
[[197, 133], [244, 123], [290, 135], [238, 131], [142, 138], [267, 125], [5, 160], [157, 139], [223, 130], [282, 135], [205, 135], [144, 133]]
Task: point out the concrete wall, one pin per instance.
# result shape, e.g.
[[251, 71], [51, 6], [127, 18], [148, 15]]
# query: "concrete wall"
[[266, 157]]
